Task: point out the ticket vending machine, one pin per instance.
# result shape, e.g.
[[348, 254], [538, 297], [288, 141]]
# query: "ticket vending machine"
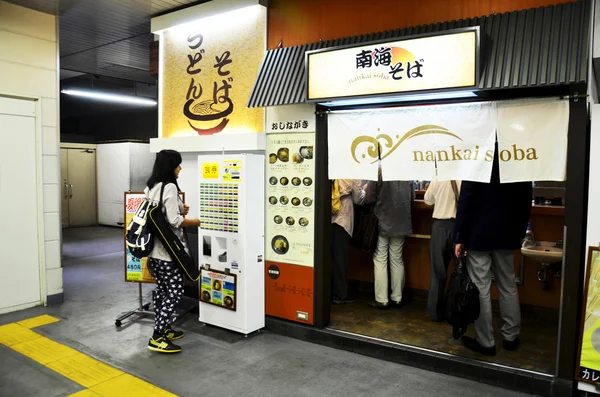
[[231, 241]]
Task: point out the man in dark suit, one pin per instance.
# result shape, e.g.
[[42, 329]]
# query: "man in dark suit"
[[491, 222]]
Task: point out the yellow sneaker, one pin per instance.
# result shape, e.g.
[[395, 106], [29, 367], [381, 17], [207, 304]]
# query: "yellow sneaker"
[[163, 345]]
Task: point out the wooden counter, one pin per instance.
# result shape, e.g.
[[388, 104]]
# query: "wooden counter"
[[547, 223]]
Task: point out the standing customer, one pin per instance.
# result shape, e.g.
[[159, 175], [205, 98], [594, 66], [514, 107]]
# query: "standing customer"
[[443, 196], [490, 224], [343, 227], [393, 205], [169, 277]]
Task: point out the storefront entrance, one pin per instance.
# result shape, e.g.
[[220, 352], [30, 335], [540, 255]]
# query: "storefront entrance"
[[550, 295]]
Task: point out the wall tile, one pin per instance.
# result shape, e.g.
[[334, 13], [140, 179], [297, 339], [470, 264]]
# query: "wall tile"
[[49, 112], [52, 226], [27, 22], [27, 80], [52, 253], [54, 281], [51, 198], [51, 169], [50, 141], [27, 50]]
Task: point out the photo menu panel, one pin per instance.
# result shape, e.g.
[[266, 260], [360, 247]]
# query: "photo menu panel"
[[290, 198]]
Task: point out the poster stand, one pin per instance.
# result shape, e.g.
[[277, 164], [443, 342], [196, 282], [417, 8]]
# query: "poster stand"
[[588, 364], [142, 310], [132, 200], [146, 310]]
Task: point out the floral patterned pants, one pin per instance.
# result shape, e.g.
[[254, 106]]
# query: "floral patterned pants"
[[169, 290]]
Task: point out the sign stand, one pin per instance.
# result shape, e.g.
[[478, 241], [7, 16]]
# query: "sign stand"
[[136, 270], [146, 310], [142, 310]]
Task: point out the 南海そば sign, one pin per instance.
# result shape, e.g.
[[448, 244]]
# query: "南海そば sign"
[[447, 61]]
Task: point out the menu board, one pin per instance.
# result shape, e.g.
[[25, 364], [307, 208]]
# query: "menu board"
[[589, 346], [136, 270], [219, 207], [290, 213], [218, 288]]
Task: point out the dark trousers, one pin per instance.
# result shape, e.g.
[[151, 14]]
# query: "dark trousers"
[[441, 249], [169, 289], [341, 245]]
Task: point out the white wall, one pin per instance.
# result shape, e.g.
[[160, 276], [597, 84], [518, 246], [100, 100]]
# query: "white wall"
[[141, 163], [113, 173], [188, 182], [121, 167], [28, 66]]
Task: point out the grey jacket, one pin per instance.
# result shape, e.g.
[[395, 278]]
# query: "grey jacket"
[[393, 206]]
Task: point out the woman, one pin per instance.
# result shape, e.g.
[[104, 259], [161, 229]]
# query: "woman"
[[343, 226], [169, 276]]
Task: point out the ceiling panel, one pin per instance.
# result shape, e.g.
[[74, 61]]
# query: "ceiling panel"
[[106, 37]]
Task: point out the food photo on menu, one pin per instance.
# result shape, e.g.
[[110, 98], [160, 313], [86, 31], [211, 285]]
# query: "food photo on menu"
[[283, 155], [280, 245]]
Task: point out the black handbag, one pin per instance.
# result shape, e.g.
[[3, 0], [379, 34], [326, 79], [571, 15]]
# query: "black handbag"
[[462, 300], [366, 224], [366, 227], [172, 243]]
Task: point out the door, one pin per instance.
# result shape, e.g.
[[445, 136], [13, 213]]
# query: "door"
[[20, 262], [64, 177], [78, 170]]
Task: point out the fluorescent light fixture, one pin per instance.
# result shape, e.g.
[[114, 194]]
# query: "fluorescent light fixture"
[[201, 12], [214, 22], [134, 100], [403, 98]]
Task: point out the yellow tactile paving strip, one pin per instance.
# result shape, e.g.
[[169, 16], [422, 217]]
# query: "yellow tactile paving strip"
[[126, 386], [85, 393], [85, 370], [38, 321], [99, 378], [14, 334]]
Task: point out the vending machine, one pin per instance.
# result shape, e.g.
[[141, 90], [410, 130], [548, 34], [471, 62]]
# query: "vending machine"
[[231, 241]]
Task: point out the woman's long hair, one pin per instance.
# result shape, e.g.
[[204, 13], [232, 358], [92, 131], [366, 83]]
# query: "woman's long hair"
[[164, 168]]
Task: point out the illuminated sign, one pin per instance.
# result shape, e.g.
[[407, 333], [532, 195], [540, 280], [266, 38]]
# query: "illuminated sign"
[[208, 69], [447, 61]]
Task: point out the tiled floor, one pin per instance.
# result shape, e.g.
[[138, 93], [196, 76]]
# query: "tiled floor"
[[411, 325]]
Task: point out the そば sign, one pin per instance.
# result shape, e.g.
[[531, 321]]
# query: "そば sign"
[[434, 62], [207, 71]]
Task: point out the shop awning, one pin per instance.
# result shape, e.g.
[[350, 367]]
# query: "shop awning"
[[545, 46]]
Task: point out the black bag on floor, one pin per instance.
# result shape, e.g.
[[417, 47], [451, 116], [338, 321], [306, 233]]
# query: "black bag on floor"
[[162, 230], [462, 301]]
